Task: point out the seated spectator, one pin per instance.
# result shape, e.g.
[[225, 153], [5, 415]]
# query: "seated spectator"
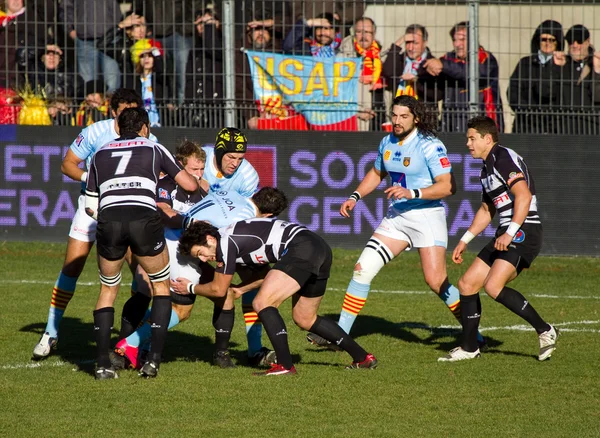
[[95, 106], [405, 69], [204, 82], [147, 58], [453, 70], [22, 32], [54, 77], [581, 75], [316, 36], [535, 85], [371, 89]]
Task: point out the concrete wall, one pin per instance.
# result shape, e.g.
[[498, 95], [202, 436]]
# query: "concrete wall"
[[505, 30]]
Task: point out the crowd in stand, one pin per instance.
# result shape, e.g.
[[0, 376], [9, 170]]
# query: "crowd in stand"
[[78, 51]]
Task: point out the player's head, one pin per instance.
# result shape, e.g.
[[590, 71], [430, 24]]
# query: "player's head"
[[230, 148], [199, 240], [407, 114], [124, 98], [192, 157], [482, 135], [134, 121], [270, 201]]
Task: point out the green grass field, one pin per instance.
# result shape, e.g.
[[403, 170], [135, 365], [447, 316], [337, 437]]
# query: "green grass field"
[[506, 392]]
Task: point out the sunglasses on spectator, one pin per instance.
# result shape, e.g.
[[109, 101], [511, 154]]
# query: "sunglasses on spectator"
[[548, 39], [146, 55]]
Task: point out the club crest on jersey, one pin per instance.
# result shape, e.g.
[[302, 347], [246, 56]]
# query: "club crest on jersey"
[[445, 162], [162, 193], [406, 161], [386, 155], [519, 237], [79, 139]]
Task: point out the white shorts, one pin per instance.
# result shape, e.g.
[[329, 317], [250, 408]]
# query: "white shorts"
[[421, 228], [181, 266], [83, 227]]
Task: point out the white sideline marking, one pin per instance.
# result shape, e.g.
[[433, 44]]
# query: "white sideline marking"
[[59, 363], [334, 289]]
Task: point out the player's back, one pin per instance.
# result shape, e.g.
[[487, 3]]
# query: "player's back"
[[222, 208]]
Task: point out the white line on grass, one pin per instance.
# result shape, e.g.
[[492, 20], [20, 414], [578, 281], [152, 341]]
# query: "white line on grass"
[[30, 365]]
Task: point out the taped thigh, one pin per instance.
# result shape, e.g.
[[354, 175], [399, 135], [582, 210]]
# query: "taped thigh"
[[374, 257]]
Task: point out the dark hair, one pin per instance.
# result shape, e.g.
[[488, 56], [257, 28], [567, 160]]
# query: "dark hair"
[[270, 200], [125, 95], [457, 26], [94, 86], [196, 234], [414, 28], [131, 120], [484, 125], [329, 17], [189, 149], [425, 121]]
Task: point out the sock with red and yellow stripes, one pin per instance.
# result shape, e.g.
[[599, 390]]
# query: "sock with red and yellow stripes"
[[354, 301], [63, 291], [253, 324]]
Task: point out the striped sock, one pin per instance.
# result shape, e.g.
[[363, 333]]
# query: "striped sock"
[[63, 291], [451, 297], [253, 324], [354, 301]]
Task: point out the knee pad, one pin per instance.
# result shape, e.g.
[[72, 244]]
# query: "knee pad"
[[374, 257], [161, 275], [110, 281]]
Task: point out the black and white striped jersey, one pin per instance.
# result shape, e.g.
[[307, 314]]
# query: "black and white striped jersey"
[[502, 168], [169, 192], [254, 242], [124, 172]]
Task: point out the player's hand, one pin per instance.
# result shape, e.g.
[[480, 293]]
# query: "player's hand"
[[458, 251], [347, 207], [502, 242], [398, 192], [234, 292], [179, 286]]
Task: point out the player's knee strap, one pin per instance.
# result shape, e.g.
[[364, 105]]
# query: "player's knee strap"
[[374, 257], [161, 275], [110, 281]]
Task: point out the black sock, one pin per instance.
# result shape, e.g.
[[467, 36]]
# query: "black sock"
[[516, 303], [470, 314], [159, 318], [133, 311], [275, 328], [103, 324], [329, 330], [223, 324]]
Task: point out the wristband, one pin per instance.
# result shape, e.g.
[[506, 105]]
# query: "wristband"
[[512, 229], [355, 195], [190, 288], [83, 177], [416, 193], [467, 237]]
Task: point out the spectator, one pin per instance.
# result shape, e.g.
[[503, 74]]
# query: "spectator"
[[172, 25], [87, 21], [453, 70], [578, 91], [22, 32], [405, 70], [54, 77], [534, 88], [347, 12], [316, 36], [117, 42], [59, 110], [371, 88], [95, 106], [204, 83], [148, 80]]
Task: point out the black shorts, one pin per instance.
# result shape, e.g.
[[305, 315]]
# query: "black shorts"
[[307, 260], [138, 228], [523, 250]]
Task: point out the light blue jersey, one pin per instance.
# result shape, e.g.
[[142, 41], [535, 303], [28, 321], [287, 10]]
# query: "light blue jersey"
[[90, 139], [413, 164], [244, 180], [222, 208]]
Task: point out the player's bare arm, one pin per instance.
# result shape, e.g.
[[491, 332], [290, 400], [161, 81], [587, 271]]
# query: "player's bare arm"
[[186, 181], [215, 289], [70, 166], [369, 183], [483, 217], [522, 201], [170, 217]]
